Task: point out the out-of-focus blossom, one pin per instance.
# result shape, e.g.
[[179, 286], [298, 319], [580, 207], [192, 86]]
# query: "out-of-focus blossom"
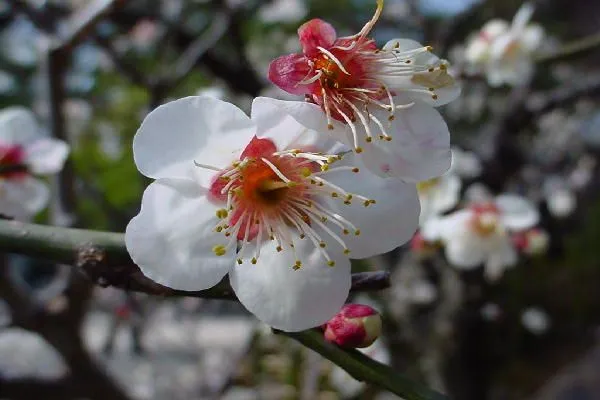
[[263, 200], [350, 387], [354, 326], [19, 43], [505, 52], [560, 199], [423, 248], [532, 242], [480, 234], [27, 355], [377, 101], [25, 152], [7, 83], [439, 195], [491, 312], [535, 320], [283, 11]]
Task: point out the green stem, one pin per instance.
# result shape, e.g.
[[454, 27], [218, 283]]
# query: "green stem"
[[103, 257], [572, 49], [364, 368]]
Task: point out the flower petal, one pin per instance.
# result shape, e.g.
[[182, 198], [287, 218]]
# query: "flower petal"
[[46, 155], [316, 33], [195, 128], [288, 71], [517, 212], [444, 228], [288, 299], [499, 259], [532, 37], [172, 238], [283, 123], [419, 149], [465, 250], [17, 126], [23, 198], [385, 225]]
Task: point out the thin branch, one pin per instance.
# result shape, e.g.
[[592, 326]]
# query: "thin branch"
[[572, 49], [363, 368], [103, 257]]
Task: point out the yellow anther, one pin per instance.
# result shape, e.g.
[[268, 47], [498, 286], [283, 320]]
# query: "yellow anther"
[[313, 182], [407, 61], [227, 234], [331, 263], [331, 160], [346, 232], [435, 97], [388, 138], [321, 184], [279, 248], [253, 261], [369, 139], [428, 48], [334, 194], [391, 118], [355, 170], [324, 167], [271, 237], [221, 213], [431, 89], [330, 127], [346, 251], [431, 69], [219, 250], [357, 232], [291, 184], [322, 244], [302, 236], [240, 261], [219, 229], [349, 196], [323, 219], [225, 178], [306, 172], [443, 67], [358, 150], [397, 45]]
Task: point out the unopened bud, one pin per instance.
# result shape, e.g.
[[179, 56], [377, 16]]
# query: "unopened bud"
[[356, 325], [532, 242], [421, 247]]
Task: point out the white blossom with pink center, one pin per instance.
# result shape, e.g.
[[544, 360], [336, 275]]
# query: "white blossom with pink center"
[[505, 52], [273, 204], [25, 152], [373, 99], [480, 234]]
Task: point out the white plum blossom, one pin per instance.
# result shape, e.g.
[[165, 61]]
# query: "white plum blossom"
[[265, 200], [505, 52], [442, 194], [535, 320], [378, 101], [24, 152], [480, 234]]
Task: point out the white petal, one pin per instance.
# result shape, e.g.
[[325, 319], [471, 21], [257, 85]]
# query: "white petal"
[[204, 129], [46, 155], [270, 112], [465, 163], [23, 198], [419, 149], [385, 225], [172, 237], [517, 213], [274, 121], [17, 126], [445, 228], [522, 17], [465, 250], [446, 194], [532, 37], [500, 258], [494, 28], [292, 300]]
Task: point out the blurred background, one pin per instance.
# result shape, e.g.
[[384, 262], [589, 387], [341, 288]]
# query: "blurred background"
[[532, 333]]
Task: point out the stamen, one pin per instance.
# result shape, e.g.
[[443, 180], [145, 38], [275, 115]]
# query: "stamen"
[[334, 59]]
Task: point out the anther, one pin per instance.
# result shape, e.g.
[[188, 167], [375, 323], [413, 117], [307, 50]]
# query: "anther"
[[346, 232], [330, 127], [331, 263], [221, 213], [253, 261], [334, 194], [358, 150], [369, 139], [279, 249], [322, 244], [357, 232], [219, 250], [346, 251], [240, 261], [355, 170]]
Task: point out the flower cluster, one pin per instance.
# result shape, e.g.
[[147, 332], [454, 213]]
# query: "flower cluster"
[[25, 152], [505, 52], [280, 201]]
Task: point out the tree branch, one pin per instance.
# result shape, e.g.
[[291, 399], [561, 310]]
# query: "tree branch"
[[571, 49], [363, 368], [103, 257]]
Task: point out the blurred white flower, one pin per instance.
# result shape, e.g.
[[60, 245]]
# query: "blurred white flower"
[[27, 355], [24, 152], [479, 234], [535, 320], [560, 199], [442, 194], [504, 52], [19, 42], [283, 11], [7, 82], [491, 312], [532, 242]]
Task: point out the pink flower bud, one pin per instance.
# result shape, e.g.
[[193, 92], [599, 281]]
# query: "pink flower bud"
[[356, 325]]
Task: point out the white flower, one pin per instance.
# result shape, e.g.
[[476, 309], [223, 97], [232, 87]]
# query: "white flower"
[[505, 52], [479, 234], [535, 320], [560, 198], [439, 195], [225, 182], [25, 151]]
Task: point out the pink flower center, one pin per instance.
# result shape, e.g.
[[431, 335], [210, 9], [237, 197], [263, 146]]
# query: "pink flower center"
[[12, 162], [277, 195], [486, 219]]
